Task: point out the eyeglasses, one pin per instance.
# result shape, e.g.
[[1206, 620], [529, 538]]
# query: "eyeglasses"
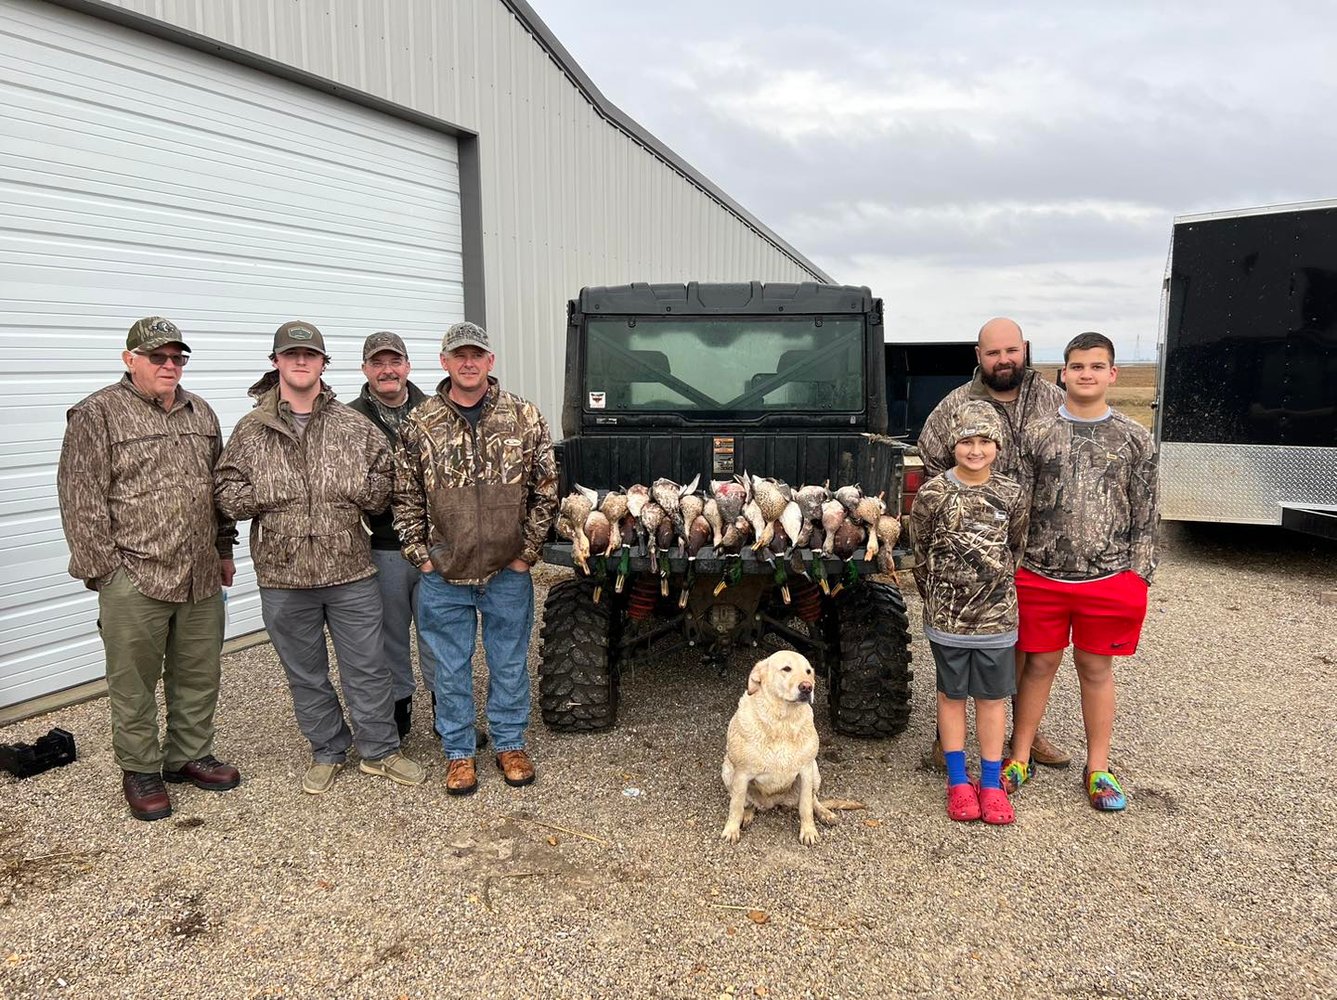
[[160, 358], [393, 363]]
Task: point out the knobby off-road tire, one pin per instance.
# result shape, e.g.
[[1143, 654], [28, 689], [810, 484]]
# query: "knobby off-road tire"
[[577, 676], [868, 637]]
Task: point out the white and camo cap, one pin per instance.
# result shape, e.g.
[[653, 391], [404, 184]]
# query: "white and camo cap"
[[977, 419]]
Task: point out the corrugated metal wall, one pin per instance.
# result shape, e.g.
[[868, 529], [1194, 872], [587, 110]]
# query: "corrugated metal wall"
[[568, 197]]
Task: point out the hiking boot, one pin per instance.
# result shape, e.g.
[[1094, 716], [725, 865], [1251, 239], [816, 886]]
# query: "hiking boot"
[[1045, 751], [207, 772], [461, 777], [398, 768], [404, 715], [146, 795], [1104, 792], [516, 768], [319, 778]]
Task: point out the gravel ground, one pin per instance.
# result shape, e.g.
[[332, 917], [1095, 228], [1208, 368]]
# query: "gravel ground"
[[1217, 881]]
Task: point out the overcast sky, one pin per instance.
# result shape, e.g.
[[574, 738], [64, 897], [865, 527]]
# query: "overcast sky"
[[966, 159]]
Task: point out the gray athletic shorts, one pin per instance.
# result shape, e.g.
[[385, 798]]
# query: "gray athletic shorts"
[[987, 674]]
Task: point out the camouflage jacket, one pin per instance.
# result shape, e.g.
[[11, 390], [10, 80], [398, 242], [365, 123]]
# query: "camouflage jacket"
[[1093, 497], [382, 525], [968, 542], [471, 500], [305, 494], [136, 492], [1038, 398]]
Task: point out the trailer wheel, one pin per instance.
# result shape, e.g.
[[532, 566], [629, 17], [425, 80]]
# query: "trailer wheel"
[[577, 676], [868, 639]]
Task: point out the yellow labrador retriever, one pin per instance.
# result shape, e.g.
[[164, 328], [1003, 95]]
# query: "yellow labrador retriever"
[[770, 754]]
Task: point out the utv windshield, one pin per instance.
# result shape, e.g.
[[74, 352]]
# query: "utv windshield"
[[806, 364]]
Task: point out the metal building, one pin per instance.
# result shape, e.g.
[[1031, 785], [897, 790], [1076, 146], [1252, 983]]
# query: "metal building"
[[361, 164]]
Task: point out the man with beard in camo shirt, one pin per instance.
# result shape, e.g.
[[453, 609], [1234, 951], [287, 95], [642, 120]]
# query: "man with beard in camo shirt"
[[137, 504], [475, 492], [1020, 395], [1090, 556]]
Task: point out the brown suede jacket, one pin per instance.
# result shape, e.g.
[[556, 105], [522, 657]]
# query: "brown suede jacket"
[[472, 500]]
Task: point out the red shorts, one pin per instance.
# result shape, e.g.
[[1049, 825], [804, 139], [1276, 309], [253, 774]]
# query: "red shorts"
[[1101, 616]]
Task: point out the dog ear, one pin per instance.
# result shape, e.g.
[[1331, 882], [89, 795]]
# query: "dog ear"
[[754, 678]]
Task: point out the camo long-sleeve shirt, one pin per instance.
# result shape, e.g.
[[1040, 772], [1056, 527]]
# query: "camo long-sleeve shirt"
[[473, 499], [136, 493], [1093, 486], [968, 541], [1038, 398]]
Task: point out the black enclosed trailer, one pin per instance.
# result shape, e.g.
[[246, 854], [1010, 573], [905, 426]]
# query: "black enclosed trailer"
[[1246, 416]]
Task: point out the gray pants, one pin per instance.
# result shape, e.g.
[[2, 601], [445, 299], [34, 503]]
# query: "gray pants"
[[399, 599], [296, 620]]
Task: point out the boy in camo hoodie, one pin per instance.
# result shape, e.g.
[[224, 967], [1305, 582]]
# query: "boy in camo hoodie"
[[969, 529]]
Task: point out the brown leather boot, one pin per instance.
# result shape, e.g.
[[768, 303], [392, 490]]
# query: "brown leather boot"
[[146, 795], [461, 777], [1050, 754], [516, 768], [208, 772]]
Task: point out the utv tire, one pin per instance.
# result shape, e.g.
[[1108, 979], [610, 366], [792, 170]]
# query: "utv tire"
[[577, 676], [868, 636]]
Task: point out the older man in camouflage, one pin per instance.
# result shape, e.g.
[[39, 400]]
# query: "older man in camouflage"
[[136, 501], [475, 492], [1020, 395], [305, 468]]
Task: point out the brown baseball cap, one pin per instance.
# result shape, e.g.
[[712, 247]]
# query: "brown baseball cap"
[[297, 333], [465, 335], [152, 332], [978, 418], [384, 341]]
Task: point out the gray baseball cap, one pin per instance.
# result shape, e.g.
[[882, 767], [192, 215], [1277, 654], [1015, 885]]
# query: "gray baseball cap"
[[384, 341], [465, 335], [296, 333], [152, 332]]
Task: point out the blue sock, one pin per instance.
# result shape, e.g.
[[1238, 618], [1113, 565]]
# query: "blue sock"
[[991, 773], [956, 767]]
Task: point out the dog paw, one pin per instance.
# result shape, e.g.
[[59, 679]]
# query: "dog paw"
[[730, 833], [808, 836]]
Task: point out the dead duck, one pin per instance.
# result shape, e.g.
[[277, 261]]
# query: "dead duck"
[[571, 515], [791, 523], [652, 515], [866, 512], [637, 496], [697, 535], [729, 496], [888, 532], [711, 512], [598, 531], [667, 493], [833, 516], [849, 497], [614, 506]]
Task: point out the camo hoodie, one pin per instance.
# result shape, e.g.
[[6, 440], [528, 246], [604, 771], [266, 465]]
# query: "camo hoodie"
[[968, 542], [472, 500], [304, 493], [1038, 398]]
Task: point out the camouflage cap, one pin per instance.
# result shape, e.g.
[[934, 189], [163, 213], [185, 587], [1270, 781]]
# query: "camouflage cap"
[[465, 335], [152, 332], [295, 334], [977, 419], [384, 341]]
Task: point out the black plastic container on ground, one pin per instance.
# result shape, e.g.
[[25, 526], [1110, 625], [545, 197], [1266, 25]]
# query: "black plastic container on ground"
[[55, 749]]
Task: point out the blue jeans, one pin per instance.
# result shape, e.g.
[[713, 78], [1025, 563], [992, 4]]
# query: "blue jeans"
[[447, 623]]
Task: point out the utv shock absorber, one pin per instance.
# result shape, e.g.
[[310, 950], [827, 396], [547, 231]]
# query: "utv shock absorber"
[[808, 601], [643, 598]]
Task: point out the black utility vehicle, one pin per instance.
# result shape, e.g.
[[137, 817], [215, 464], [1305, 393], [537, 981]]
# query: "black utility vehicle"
[[785, 381]]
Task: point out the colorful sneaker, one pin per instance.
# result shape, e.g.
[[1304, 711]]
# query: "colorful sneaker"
[[1105, 792], [963, 803], [995, 809], [1015, 774]]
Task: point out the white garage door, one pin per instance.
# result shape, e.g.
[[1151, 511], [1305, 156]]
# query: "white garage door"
[[138, 177]]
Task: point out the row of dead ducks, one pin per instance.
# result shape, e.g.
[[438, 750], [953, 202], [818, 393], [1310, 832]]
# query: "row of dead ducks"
[[773, 519]]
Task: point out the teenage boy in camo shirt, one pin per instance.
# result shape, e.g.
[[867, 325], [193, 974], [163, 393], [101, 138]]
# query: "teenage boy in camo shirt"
[[1090, 556]]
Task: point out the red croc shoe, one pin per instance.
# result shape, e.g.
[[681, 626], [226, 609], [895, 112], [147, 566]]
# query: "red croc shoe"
[[995, 809], [963, 803]]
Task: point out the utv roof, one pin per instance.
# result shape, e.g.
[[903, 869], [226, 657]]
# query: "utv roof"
[[704, 298]]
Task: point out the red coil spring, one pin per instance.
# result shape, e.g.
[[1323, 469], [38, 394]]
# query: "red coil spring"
[[644, 596], [807, 598]]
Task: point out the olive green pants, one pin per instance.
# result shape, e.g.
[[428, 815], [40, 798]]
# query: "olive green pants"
[[145, 640]]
